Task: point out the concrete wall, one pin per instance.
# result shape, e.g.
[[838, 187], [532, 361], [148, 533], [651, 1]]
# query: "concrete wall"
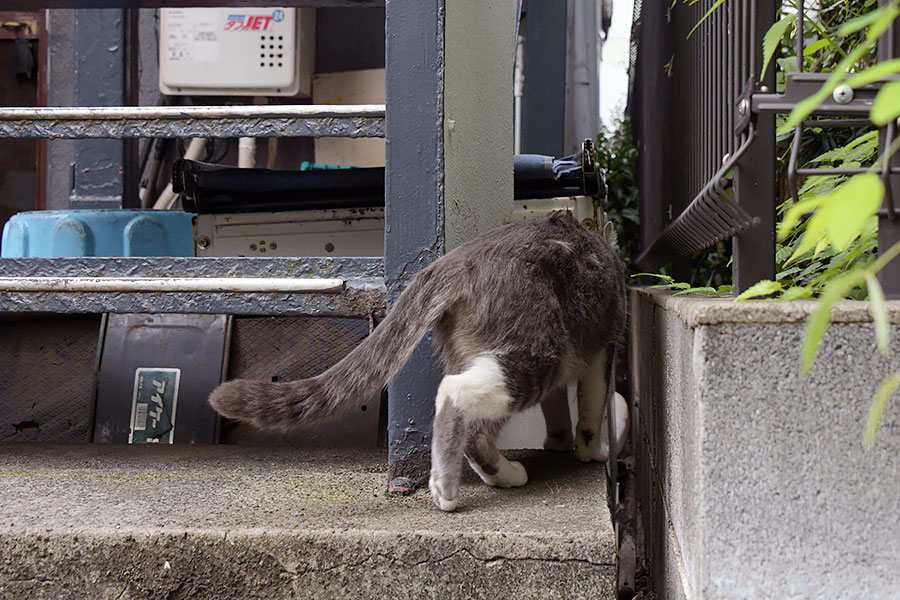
[[478, 118], [754, 481]]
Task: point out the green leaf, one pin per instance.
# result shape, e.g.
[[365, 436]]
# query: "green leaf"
[[887, 104], [663, 277], [793, 214], [875, 73], [848, 208], [696, 290], [709, 12], [674, 285], [765, 287], [795, 292], [725, 289], [823, 243], [818, 321], [771, 39], [811, 49], [879, 313], [876, 410], [859, 23], [881, 24], [815, 231]]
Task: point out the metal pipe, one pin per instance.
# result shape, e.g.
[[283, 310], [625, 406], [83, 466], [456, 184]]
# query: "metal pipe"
[[247, 152], [259, 111], [169, 284], [167, 198]]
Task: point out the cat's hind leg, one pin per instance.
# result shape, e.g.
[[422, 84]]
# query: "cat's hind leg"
[[555, 408], [591, 438], [484, 458], [478, 393]]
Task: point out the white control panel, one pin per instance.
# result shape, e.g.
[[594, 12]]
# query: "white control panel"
[[239, 51]]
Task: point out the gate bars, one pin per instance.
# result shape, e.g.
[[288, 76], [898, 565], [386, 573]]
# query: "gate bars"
[[701, 113]]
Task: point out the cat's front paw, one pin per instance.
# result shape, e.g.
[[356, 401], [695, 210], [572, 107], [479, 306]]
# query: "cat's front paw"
[[589, 447], [445, 504]]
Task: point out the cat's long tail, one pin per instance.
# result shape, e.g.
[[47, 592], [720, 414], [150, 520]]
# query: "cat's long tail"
[[360, 375]]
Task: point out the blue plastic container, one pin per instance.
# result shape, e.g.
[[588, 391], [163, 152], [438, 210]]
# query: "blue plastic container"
[[101, 232]]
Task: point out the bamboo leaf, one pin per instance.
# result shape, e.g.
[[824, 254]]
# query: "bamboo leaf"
[[772, 38], [875, 73], [881, 24], [859, 23], [818, 322], [879, 313], [765, 287], [793, 214], [815, 231], [887, 104], [849, 207], [709, 12], [876, 410]]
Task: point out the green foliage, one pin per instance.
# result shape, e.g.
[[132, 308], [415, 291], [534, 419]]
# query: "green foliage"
[[760, 288], [619, 157], [773, 38], [887, 104], [669, 283]]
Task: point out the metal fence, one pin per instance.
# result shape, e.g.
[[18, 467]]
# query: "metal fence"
[[704, 122]]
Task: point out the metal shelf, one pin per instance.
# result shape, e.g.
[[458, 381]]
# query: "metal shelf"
[[337, 287], [366, 120], [31, 4]]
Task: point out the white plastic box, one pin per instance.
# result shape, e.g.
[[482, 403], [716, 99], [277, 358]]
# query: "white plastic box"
[[239, 51]]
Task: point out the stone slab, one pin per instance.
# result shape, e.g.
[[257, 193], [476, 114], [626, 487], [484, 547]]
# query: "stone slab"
[[235, 522]]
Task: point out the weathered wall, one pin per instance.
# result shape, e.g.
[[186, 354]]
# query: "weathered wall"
[[478, 118], [755, 483]]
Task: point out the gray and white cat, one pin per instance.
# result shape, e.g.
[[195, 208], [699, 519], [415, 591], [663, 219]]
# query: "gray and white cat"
[[518, 314]]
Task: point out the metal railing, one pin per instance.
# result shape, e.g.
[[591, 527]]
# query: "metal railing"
[[704, 122]]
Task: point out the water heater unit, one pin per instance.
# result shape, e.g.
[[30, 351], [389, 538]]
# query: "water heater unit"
[[240, 51]]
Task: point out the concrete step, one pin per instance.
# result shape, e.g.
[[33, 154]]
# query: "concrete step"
[[223, 522]]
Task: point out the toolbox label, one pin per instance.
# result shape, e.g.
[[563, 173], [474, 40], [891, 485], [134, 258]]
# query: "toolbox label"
[[153, 405]]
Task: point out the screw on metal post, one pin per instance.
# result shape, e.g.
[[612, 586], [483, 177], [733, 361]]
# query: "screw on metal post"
[[843, 94], [743, 107]]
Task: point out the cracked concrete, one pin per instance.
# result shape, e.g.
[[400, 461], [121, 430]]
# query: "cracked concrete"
[[236, 522]]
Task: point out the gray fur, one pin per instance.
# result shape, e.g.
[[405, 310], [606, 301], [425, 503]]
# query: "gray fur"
[[543, 297]]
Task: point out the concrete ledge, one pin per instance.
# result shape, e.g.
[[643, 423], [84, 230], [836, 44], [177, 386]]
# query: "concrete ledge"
[[695, 311], [225, 522], [753, 480]]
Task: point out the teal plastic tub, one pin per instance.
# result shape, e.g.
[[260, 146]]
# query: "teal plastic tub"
[[100, 232]]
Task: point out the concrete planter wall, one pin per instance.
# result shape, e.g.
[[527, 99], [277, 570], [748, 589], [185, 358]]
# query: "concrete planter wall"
[[754, 481]]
